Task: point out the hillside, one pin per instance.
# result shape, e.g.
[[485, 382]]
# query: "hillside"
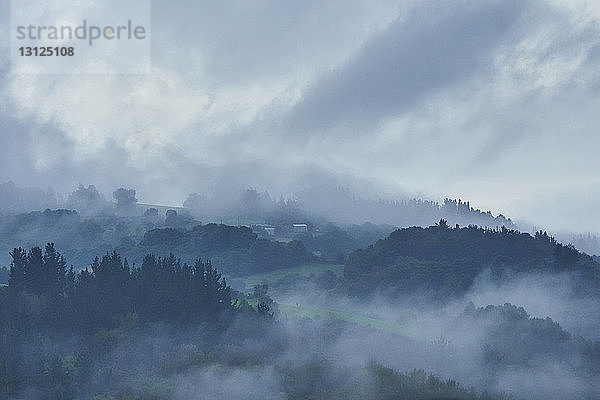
[[235, 250], [444, 261]]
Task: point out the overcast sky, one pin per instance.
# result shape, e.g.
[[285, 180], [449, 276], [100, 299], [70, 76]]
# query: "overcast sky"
[[496, 102]]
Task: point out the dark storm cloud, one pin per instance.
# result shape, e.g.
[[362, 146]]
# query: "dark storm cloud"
[[431, 48]]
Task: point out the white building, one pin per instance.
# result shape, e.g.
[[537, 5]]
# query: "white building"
[[300, 228]]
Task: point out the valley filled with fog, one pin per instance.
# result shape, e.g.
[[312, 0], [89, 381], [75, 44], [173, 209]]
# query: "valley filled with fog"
[[288, 200], [289, 299]]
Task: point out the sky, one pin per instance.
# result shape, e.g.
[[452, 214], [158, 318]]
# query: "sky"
[[495, 102]]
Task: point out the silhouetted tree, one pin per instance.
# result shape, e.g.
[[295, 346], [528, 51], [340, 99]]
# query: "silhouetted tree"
[[125, 199], [17, 281]]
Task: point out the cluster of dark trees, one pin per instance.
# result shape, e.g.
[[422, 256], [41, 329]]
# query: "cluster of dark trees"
[[445, 261], [79, 238], [46, 302], [159, 289], [116, 331], [235, 250]]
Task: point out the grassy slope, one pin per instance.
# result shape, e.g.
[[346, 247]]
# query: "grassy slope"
[[315, 312], [358, 319]]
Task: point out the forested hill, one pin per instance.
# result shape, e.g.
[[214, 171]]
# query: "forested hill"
[[235, 250], [446, 260], [337, 205]]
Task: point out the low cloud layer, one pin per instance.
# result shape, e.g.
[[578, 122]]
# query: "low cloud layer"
[[495, 102], [460, 344]]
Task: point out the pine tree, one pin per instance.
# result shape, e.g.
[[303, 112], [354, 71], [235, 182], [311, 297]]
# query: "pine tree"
[[54, 272], [34, 271], [18, 265]]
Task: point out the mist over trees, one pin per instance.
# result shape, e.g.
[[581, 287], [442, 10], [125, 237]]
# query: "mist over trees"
[[80, 237], [87, 201], [125, 199], [339, 206], [309, 200], [589, 243], [325, 309], [100, 225], [236, 250], [45, 302], [169, 329], [444, 261], [14, 200]]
